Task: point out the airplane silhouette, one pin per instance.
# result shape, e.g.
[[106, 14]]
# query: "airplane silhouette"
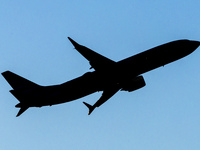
[[109, 76]]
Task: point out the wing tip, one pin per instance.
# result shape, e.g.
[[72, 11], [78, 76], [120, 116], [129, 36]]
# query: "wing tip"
[[73, 42], [5, 72], [90, 107], [69, 38]]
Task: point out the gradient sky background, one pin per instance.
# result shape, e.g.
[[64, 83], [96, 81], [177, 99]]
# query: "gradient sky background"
[[33, 43]]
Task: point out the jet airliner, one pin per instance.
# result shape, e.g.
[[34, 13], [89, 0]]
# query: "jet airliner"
[[108, 76]]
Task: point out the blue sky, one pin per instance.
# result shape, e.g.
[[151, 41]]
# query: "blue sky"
[[33, 43]]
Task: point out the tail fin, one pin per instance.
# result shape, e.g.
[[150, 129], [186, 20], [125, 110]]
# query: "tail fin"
[[18, 84], [90, 107], [16, 81]]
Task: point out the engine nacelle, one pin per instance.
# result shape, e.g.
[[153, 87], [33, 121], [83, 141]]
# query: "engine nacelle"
[[134, 84]]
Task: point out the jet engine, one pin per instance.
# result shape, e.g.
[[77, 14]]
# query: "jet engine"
[[134, 84]]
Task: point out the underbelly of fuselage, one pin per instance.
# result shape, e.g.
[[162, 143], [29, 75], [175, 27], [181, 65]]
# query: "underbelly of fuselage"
[[69, 91]]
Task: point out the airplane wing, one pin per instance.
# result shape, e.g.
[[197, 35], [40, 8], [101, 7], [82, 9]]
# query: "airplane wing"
[[107, 93], [97, 61]]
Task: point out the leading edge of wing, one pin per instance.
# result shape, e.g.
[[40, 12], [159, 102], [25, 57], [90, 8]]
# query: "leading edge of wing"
[[97, 61]]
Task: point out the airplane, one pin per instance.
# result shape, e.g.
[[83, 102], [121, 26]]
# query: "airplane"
[[108, 76]]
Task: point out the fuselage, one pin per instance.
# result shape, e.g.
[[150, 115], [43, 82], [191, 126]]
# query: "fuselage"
[[109, 76], [123, 71], [157, 57]]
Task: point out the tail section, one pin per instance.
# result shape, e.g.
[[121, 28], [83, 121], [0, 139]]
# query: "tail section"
[[22, 109], [19, 85], [17, 82], [90, 107]]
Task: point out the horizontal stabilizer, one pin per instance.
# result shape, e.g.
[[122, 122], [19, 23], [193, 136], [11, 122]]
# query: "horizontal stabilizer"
[[22, 109], [90, 107]]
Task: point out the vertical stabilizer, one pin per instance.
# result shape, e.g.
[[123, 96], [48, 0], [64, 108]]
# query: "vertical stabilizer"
[[19, 85], [17, 82]]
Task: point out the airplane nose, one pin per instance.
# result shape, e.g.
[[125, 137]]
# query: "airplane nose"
[[195, 44]]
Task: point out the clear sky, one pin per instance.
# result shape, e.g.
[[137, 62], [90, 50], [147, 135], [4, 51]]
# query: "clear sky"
[[33, 43]]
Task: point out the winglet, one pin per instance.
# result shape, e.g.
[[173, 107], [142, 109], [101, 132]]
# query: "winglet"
[[73, 42], [90, 107]]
